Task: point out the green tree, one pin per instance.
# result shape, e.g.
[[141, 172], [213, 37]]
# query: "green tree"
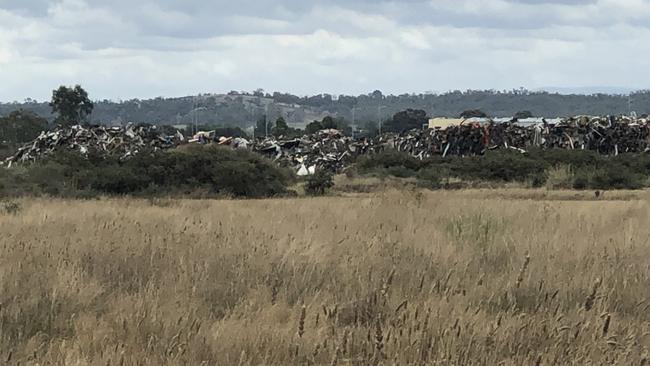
[[523, 115], [407, 120], [313, 128], [21, 126], [328, 123], [71, 104], [335, 123], [281, 128], [473, 113]]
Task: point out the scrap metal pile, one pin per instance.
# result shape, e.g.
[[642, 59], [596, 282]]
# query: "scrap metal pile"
[[330, 149], [327, 149], [122, 142], [606, 135]]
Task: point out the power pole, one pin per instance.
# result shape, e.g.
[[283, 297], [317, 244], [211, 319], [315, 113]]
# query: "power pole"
[[195, 119], [354, 121], [629, 105], [266, 121], [379, 108], [254, 121]]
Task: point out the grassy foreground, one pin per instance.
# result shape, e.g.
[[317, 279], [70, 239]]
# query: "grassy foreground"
[[447, 278]]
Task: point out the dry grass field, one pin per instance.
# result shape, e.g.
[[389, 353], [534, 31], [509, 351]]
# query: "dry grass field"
[[510, 277]]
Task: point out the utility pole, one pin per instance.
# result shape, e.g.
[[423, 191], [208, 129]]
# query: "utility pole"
[[266, 121], [254, 121], [194, 117], [379, 108], [629, 104], [379, 117], [354, 121]]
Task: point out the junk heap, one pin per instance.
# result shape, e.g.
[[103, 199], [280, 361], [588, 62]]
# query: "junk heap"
[[606, 135], [122, 142], [331, 150], [327, 149]]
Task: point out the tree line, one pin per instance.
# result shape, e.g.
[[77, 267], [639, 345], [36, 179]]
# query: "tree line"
[[244, 109], [72, 106], [281, 114]]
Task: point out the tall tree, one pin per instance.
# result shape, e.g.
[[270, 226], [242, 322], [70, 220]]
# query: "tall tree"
[[313, 127], [281, 127], [328, 123], [71, 104], [407, 120], [21, 126]]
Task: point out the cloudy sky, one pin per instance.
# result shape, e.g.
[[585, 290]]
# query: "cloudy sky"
[[120, 49]]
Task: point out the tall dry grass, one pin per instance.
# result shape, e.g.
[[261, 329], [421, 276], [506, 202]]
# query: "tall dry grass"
[[394, 278], [560, 177]]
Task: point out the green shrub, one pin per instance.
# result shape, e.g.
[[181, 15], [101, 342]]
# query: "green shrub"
[[588, 169], [224, 171], [318, 183], [582, 178], [118, 180], [617, 177], [399, 172], [494, 166], [577, 159], [388, 159], [431, 178], [214, 170]]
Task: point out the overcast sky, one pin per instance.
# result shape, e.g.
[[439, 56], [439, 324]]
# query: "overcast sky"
[[120, 49]]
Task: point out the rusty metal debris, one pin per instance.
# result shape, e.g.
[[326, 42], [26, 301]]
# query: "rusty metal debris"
[[605, 135], [330, 149], [327, 149], [122, 142]]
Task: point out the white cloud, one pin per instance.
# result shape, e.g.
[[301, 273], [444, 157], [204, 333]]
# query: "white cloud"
[[124, 49]]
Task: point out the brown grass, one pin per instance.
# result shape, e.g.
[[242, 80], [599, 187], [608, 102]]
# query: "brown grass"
[[404, 278]]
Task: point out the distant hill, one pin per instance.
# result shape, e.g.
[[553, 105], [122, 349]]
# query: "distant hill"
[[243, 109], [589, 90]]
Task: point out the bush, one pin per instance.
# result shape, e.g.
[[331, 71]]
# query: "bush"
[[117, 180], [388, 159], [224, 171], [577, 159], [500, 166], [214, 170], [48, 178], [431, 178], [557, 169], [616, 177], [398, 171], [318, 183]]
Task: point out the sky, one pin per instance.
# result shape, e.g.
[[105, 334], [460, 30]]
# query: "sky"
[[119, 49]]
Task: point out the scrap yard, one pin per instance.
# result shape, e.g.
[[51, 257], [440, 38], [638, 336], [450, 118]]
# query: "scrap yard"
[[332, 150]]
